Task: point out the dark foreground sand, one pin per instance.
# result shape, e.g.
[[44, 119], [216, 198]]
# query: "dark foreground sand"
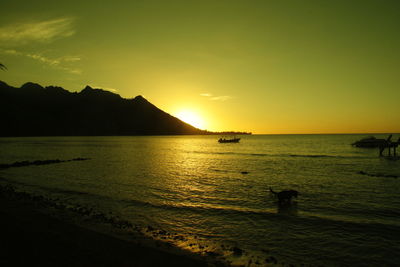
[[29, 237]]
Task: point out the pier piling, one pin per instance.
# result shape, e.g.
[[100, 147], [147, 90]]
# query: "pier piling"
[[389, 145]]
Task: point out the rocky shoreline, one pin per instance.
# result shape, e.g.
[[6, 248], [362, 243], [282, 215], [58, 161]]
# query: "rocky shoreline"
[[33, 234]]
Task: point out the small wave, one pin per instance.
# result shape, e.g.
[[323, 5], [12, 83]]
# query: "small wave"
[[260, 154], [324, 156], [299, 155], [311, 156], [197, 208], [305, 219], [70, 192], [218, 170], [378, 175], [44, 187], [277, 155], [37, 162]]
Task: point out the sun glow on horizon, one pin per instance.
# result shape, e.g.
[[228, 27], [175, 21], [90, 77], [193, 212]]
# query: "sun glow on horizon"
[[191, 118]]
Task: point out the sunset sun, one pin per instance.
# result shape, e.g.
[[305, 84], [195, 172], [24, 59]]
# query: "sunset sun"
[[190, 117]]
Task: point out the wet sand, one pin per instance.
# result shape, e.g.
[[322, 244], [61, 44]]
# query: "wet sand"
[[30, 237]]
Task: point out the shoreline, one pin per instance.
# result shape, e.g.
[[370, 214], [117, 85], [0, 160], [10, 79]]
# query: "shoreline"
[[92, 238], [37, 235]]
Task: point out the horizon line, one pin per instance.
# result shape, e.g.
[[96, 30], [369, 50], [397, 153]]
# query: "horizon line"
[[325, 133]]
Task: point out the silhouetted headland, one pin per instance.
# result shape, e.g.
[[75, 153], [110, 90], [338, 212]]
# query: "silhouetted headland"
[[33, 110]]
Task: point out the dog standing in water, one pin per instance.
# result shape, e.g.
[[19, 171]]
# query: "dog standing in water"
[[285, 196]]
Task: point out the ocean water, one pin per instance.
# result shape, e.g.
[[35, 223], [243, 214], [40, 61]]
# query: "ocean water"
[[347, 213]]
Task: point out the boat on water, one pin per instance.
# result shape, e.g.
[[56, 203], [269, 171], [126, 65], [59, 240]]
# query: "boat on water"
[[229, 140], [371, 142]]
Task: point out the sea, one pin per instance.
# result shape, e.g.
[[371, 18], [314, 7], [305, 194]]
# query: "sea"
[[217, 196]]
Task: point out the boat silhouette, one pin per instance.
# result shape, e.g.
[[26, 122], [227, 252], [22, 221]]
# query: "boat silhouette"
[[229, 140], [371, 142]]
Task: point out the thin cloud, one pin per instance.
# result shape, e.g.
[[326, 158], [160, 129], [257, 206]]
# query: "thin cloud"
[[73, 71], [221, 98], [57, 63], [105, 88], [41, 31], [206, 94], [71, 58], [217, 98], [46, 60]]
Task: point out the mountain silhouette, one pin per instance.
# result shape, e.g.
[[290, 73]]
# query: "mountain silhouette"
[[33, 110]]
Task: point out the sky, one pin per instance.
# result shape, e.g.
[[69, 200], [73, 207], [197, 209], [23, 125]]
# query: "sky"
[[268, 67]]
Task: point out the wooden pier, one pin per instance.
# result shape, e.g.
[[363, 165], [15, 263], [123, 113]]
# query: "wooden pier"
[[388, 144]]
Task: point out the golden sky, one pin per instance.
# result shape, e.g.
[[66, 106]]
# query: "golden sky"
[[260, 66]]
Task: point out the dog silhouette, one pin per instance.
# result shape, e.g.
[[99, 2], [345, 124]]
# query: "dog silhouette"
[[285, 196]]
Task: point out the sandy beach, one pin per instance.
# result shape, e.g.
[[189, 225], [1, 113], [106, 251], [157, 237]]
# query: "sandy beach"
[[31, 237]]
